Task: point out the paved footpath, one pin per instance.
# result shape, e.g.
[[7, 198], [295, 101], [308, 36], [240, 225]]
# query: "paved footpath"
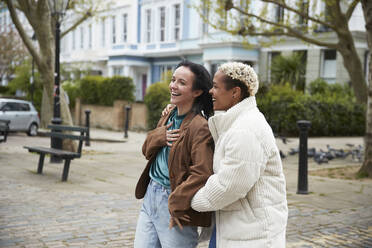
[[96, 207]]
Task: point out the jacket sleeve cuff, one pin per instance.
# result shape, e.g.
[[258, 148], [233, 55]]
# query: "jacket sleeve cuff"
[[200, 203]]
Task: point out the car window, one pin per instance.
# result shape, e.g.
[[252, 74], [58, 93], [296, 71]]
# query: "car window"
[[11, 106], [24, 107]]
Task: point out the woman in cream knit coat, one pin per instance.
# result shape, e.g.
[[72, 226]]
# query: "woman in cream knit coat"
[[247, 190]]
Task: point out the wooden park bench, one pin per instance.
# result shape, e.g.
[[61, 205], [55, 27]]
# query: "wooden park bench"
[[62, 154], [4, 130]]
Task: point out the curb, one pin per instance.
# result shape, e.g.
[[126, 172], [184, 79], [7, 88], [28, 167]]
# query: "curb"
[[43, 133]]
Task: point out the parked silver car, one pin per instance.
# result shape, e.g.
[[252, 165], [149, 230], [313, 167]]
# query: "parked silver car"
[[22, 115]]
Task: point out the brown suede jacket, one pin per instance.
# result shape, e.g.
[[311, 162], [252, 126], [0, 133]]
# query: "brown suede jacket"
[[189, 163]]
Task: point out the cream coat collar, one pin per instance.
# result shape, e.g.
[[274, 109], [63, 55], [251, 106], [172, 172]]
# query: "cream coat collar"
[[223, 120]]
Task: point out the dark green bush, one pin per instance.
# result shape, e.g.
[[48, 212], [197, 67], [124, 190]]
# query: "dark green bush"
[[320, 87], [331, 112], [289, 69], [156, 98], [4, 89], [89, 89], [115, 88], [104, 91], [72, 90]]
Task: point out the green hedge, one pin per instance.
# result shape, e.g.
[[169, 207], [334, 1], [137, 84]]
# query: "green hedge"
[[156, 98], [100, 90], [115, 88], [331, 112], [88, 89]]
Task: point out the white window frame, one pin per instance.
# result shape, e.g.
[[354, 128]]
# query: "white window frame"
[[117, 70], [73, 38], [148, 25], [113, 29], [125, 27], [177, 22], [90, 36], [162, 24], [103, 32], [326, 76], [205, 12], [82, 37]]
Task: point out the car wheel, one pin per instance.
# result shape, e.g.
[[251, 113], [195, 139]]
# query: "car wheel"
[[32, 130]]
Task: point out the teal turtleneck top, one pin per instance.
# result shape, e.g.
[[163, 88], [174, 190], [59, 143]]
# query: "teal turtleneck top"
[[159, 168]]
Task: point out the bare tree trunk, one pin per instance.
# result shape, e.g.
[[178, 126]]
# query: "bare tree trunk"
[[366, 168], [351, 60]]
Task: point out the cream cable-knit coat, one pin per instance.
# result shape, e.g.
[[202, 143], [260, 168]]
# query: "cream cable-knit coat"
[[247, 190]]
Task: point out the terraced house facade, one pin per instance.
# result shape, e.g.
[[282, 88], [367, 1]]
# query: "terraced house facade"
[[144, 38]]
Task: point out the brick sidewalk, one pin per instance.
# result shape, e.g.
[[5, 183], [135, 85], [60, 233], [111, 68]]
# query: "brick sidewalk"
[[97, 208]]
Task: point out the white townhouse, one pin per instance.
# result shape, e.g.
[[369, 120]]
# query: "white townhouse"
[[143, 38]]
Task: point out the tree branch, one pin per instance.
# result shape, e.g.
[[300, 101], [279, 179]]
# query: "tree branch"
[[292, 34], [299, 12], [22, 32], [87, 15], [351, 8], [290, 31]]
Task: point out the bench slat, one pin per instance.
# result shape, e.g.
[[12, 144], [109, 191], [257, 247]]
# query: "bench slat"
[[56, 152], [68, 128], [66, 136]]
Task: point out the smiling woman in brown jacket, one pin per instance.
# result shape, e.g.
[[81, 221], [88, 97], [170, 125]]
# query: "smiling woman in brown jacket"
[[180, 154]]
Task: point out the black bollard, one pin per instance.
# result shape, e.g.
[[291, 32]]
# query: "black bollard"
[[127, 108], [87, 124], [302, 159]]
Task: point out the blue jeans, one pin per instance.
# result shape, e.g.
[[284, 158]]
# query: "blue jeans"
[[212, 241], [153, 223]]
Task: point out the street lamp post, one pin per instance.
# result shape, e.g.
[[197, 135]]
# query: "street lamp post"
[[57, 8]]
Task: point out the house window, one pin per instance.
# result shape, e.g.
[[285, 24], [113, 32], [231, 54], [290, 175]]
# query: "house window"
[[125, 27], [279, 14], [304, 6], [327, 18], [177, 21], [329, 66], [148, 25], [205, 12], [81, 37], [103, 32], [223, 15], [162, 24], [74, 40], [117, 70], [113, 30], [90, 36]]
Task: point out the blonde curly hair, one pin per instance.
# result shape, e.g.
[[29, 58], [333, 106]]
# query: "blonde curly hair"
[[243, 73]]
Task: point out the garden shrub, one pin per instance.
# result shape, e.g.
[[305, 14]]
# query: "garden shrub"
[[115, 88], [89, 89], [72, 90], [331, 109], [105, 90], [156, 98], [4, 89]]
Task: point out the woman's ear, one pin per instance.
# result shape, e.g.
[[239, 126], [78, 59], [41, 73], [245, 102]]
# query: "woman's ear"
[[237, 93], [197, 93]]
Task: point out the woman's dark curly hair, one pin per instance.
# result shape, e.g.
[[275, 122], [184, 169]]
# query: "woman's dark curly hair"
[[202, 104]]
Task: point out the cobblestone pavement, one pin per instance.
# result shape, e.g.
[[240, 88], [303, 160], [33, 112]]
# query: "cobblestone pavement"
[[38, 217], [31, 216], [91, 210]]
